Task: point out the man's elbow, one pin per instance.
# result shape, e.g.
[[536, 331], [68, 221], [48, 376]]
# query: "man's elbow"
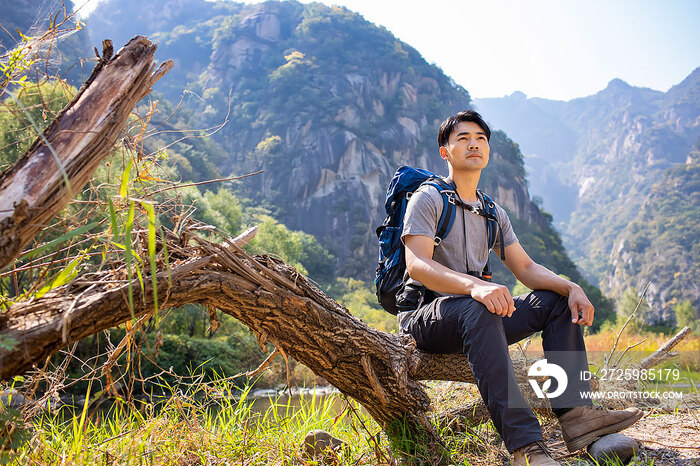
[[413, 267], [524, 271]]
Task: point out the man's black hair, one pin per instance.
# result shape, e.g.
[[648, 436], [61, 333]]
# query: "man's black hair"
[[450, 123]]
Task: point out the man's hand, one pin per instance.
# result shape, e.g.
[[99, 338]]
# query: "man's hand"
[[581, 308], [496, 298]]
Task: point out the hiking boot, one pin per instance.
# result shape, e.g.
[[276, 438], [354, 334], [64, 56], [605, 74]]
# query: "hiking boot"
[[533, 454], [583, 425]]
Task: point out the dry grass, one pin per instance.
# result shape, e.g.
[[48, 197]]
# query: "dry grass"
[[603, 341]]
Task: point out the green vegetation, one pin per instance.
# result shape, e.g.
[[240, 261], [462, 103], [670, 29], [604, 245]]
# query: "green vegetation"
[[26, 112], [219, 423], [296, 248], [181, 350], [361, 301], [687, 316], [206, 424], [99, 228], [631, 303]]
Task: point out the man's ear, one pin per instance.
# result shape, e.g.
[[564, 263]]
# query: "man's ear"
[[443, 152]]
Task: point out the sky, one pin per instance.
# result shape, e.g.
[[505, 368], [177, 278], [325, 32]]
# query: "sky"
[[555, 49]]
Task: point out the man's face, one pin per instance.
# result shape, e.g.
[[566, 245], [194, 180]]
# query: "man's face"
[[467, 148]]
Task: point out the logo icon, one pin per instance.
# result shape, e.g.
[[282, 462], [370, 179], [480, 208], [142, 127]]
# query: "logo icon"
[[542, 368]]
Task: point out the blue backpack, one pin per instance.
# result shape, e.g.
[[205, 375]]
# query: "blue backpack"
[[392, 261]]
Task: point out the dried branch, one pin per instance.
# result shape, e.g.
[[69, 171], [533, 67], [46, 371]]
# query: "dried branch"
[[663, 353]]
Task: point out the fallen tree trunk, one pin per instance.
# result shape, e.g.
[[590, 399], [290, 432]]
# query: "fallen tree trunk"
[[273, 300], [380, 370], [64, 158]]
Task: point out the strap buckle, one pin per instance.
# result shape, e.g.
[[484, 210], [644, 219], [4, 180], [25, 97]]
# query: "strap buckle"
[[437, 240], [452, 199]]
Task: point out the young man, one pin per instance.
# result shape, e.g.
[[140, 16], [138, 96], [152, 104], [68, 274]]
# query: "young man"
[[448, 307]]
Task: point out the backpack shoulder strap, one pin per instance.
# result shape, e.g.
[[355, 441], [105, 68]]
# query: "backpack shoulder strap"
[[449, 209], [492, 225]]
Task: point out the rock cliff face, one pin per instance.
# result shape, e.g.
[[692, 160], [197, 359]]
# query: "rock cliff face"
[[329, 106], [616, 151], [660, 246], [335, 157]]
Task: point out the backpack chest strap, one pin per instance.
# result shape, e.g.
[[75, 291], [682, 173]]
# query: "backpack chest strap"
[[453, 199]]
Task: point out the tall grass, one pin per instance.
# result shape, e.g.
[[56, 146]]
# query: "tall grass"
[[218, 423], [208, 424]]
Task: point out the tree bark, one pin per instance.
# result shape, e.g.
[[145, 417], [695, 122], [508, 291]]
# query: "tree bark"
[[34, 189]]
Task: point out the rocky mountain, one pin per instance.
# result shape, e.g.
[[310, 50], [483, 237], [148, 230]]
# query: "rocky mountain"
[[328, 104], [599, 164], [661, 245]]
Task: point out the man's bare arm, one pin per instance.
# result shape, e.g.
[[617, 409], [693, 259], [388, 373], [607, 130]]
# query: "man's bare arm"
[[538, 277], [437, 277]]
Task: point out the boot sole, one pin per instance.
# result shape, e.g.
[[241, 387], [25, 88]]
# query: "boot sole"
[[585, 440]]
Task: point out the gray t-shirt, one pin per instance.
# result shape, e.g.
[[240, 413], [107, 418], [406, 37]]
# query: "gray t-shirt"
[[422, 216]]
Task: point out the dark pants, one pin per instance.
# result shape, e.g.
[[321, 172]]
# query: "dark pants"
[[462, 324]]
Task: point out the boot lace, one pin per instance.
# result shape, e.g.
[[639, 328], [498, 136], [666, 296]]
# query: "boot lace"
[[538, 447]]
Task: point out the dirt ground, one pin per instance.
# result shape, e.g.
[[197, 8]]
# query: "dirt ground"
[[667, 439], [668, 436]]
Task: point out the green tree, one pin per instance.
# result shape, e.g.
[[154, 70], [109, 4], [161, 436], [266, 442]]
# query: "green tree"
[[276, 239], [604, 307], [296, 248], [686, 316], [626, 306], [223, 210]]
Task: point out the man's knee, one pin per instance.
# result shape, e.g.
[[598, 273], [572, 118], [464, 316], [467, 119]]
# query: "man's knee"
[[477, 325], [487, 318], [549, 300]]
